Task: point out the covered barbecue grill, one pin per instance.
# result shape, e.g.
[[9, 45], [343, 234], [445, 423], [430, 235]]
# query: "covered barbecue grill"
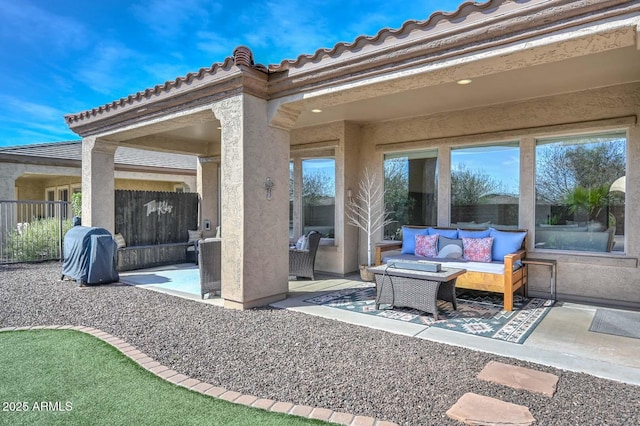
[[90, 256]]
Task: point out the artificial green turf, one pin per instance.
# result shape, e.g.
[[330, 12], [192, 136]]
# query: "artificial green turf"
[[85, 381]]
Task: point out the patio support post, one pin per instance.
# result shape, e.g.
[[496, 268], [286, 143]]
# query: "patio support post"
[[98, 186], [254, 214], [208, 189]]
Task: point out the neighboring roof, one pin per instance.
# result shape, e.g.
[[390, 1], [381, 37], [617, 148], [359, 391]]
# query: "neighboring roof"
[[72, 150]]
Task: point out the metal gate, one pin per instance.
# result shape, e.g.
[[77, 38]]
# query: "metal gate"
[[33, 230]]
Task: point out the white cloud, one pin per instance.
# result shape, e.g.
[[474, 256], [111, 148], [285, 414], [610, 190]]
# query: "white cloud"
[[30, 122], [16, 107]]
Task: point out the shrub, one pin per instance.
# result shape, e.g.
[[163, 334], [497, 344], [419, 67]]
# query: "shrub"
[[37, 240]]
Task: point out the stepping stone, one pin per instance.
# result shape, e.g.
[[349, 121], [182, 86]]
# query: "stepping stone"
[[474, 409], [520, 378]]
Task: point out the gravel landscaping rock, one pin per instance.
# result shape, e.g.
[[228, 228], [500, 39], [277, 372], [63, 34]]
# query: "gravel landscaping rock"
[[303, 359]]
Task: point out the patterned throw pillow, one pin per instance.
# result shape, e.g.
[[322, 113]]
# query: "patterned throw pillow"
[[427, 245], [477, 249], [450, 251], [119, 239]]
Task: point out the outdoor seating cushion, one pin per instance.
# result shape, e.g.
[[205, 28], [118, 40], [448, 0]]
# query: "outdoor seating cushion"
[[505, 242], [444, 242], [409, 239], [489, 267], [484, 233], [119, 239], [477, 249], [449, 233], [427, 245], [194, 235]]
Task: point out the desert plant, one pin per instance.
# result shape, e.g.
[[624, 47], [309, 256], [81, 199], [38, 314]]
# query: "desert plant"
[[367, 210], [76, 204], [37, 240], [591, 201]]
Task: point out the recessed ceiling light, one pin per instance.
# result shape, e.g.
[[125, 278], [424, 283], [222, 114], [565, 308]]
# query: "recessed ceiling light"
[[316, 110], [219, 128], [464, 81]]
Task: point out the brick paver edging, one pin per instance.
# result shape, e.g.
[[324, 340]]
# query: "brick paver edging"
[[207, 389]]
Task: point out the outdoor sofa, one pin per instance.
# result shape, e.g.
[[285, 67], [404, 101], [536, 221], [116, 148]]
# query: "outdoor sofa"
[[503, 272]]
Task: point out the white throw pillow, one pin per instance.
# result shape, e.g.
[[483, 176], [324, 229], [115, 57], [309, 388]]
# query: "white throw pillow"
[[119, 239], [194, 236], [302, 243]]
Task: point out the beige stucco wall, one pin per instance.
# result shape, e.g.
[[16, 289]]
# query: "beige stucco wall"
[[607, 278], [138, 185], [40, 178], [580, 277], [254, 262], [341, 141], [31, 181]]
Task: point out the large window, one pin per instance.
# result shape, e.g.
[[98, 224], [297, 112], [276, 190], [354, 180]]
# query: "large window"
[[580, 192], [485, 186], [410, 183], [317, 196]]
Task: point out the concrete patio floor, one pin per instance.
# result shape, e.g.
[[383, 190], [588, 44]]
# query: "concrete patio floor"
[[561, 340]]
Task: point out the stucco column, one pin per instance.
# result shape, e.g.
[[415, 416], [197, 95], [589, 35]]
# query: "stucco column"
[[632, 197], [207, 183], [8, 218], [255, 221], [8, 175], [444, 185], [527, 209], [98, 187]]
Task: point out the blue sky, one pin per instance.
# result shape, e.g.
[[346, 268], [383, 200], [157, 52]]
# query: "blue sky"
[[61, 56]]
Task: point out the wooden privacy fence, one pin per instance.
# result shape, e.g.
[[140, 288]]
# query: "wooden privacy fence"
[[154, 217]]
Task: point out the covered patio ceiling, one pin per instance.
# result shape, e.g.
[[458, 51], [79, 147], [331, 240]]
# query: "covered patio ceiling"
[[608, 68]]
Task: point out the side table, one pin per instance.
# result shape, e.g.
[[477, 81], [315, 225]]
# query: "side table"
[[552, 263]]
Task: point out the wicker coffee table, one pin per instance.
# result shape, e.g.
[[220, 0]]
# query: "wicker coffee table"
[[415, 289]]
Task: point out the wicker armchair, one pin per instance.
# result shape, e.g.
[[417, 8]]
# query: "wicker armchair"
[[209, 259], [301, 262]]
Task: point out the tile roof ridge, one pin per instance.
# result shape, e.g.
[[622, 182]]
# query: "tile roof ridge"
[[242, 56], [463, 10]]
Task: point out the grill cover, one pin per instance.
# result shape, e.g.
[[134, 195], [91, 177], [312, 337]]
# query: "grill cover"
[[90, 256]]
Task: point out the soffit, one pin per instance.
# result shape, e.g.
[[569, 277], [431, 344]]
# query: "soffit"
[[608, 68]]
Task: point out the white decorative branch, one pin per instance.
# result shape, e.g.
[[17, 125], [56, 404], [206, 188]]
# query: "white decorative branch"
[[367, 210]]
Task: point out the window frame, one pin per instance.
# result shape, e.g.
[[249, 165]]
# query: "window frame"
[[592, 131], [298, 207], [515, 142]]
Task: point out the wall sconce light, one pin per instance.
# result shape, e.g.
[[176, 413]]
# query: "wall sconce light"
[[268, 185], [349, 195]]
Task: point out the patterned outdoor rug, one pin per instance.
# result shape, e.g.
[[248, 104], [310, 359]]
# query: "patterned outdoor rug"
[[478, 313]]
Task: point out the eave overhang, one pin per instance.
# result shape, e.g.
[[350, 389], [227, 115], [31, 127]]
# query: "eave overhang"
[[237, 74], [450, 39]]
